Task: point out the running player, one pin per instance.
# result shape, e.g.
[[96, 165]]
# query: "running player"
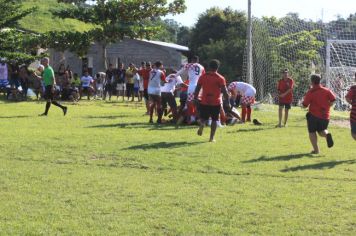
[[247, 92], [212, 85], [319, 100], [285, 96], [157, 76], [194, 70], [351, 98]]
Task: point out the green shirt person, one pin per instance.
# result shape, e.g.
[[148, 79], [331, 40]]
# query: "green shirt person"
[[49, 82]]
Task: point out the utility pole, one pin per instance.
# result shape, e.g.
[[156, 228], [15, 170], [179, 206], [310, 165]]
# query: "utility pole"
[[249, 46]]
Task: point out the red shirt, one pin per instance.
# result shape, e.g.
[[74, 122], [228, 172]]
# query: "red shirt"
[[318, 99], [185, 89], [283, 86], [145, 74], [351, 95], [211, 84]]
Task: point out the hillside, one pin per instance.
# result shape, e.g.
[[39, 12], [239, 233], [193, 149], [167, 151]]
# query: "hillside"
[[42, 19]]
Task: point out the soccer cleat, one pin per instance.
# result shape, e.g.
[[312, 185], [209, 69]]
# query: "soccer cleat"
[[200, 130], [65, 109], [329, 140], [43, 114], [256, 122], [151, 121]]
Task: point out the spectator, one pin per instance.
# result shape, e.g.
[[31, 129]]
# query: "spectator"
[[120, 79], [109, 81], [86, 87], [4, 79], [130, 72], [24, 76]]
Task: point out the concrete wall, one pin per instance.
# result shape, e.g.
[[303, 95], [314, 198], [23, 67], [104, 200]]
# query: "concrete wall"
[[128, 50]]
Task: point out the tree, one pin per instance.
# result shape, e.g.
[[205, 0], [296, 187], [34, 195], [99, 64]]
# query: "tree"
[[221, 34], [116, 19], [15, 44]]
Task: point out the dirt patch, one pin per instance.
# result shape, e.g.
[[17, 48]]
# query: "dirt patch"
[[340, 123]]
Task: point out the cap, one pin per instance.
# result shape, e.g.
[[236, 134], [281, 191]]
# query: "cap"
[[285, 70]]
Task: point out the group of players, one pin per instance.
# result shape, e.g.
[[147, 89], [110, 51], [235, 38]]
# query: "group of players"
[[205, 103]]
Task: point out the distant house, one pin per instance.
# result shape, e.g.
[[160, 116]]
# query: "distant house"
[[125, 51]]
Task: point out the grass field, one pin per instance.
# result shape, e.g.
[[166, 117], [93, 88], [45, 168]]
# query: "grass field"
[[103, 170]]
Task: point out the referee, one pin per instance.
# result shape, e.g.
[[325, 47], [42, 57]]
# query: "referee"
[[49, 83]]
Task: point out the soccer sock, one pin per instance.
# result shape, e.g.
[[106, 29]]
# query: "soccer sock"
[[48, 105], [222, 116], [243, 115], [191, 109], [57, 104], [160, 114], [249, 111]]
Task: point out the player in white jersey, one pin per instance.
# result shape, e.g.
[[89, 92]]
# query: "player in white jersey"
[[167, 95], [248, 92], [194, 71], [157, 76]]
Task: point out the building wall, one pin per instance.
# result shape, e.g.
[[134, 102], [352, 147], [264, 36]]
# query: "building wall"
[[127, 51]]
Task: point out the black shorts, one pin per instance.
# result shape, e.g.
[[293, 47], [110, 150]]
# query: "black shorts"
[[206, 111], [145, 94], [129, 89], [353, 127], [316, 124], [108, 87], [154, 98], [168, 98], [49, 92], [86, 89], [285, 105]]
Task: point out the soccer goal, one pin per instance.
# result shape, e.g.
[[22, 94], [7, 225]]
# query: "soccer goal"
[[340, 68], [304, 47]]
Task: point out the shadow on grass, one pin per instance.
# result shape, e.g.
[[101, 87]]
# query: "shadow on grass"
[[251, 130], [13, 117], [319, 166], [107, 117], [132, 125], [279, 158], [161, 145]]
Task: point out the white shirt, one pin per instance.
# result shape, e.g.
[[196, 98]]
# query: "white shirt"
[[86, 80], [154, 83], [3, 72], [194, 70], [243, 89], [172, 81]]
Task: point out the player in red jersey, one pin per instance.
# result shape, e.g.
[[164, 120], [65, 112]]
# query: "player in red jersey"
[[351, 98], [212, 85], [145, 75], [319, 100], [285, 92], [194, 70]]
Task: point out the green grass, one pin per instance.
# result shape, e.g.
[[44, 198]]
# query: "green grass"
[[103, 170], [42, 19]]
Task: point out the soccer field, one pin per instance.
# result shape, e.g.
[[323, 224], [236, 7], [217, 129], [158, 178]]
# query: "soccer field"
[[103, 170]]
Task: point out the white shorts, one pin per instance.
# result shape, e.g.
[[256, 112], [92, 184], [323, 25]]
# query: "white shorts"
[[99, 87], [120, 87]]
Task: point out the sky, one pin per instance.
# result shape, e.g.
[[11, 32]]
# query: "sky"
[[326, 10]]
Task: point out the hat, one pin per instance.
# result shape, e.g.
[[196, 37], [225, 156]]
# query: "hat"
[[285, 70]]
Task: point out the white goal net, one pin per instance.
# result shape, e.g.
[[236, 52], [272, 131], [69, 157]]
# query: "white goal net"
[[304, 47]]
